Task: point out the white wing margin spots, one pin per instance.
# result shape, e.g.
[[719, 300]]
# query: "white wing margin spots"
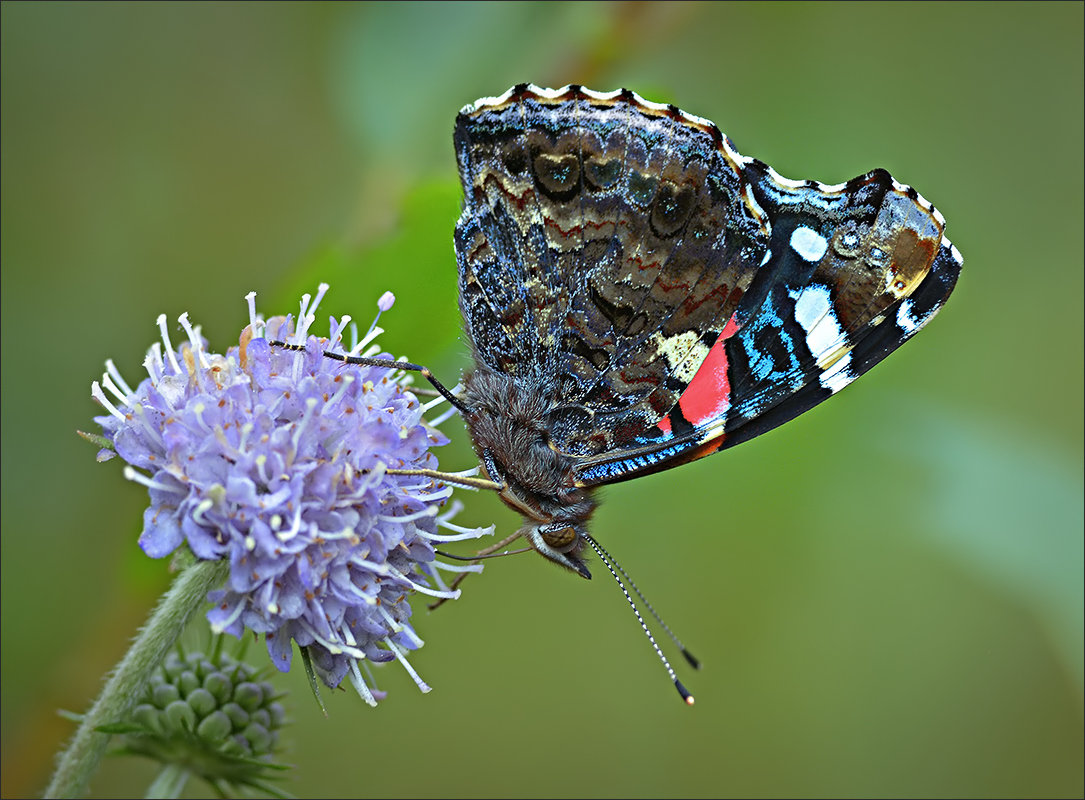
[[825, 338]]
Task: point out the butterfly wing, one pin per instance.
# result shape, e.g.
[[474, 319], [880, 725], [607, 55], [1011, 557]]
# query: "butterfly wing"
[[853, 272], [666, 295]]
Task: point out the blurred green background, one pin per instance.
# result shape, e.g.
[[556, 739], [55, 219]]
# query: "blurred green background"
[[886, 592]]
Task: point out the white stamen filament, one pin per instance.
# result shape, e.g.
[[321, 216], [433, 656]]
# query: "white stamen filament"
[[261, 468], [358, 683], [477, 533], [383, 304], [401, 628], [228, 449], [395, 573], [250, 299], [456, 567], [97, 393], [433, 403], [465, 534], [335, 336], [135, 475], [372, 566], [346, 533], [448, 413], [114, 373], [455, 507], [286, 536], [112, 388], [393, 626], [434, 574], [321, 290], [407, 666], [152, 362], [303, 310], [374, 477], [201, 508], [463, 473], [373, 332], [425, 495], [169, 347], [429, 511], [194, 340], [335, 648]]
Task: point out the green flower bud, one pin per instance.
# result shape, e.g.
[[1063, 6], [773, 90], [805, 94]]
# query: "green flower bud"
[[212, 715]]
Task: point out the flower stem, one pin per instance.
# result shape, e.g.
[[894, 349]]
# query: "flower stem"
[[130, 677], [169, 783]]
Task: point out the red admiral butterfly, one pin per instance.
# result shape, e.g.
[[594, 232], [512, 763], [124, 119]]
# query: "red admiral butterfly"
[[637, 295]]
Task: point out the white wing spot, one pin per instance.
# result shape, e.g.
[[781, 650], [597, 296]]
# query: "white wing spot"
[[809, 244], [906, 319], [813, 310], [824, 336], [838, 375]]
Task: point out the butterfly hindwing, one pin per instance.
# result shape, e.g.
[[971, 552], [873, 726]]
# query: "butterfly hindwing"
[[632, 236]]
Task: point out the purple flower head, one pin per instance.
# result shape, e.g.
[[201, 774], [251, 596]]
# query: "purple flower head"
[[290, 464]]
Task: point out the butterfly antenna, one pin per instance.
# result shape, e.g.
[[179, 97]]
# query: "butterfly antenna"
[[690, 658], [604, 556], [386, 363]]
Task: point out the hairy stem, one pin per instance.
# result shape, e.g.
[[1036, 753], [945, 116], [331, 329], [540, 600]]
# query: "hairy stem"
[[129, 678]]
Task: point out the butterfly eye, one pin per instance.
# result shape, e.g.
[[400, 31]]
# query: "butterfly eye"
[[558, 538]]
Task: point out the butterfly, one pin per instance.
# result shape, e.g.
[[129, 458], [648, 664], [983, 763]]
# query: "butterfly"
[[638, 295]]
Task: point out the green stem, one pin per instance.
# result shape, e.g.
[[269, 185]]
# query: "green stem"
[[169, 783], [129, 679]]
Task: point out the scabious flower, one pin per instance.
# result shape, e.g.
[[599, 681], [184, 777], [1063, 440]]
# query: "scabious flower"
[[292, 466]]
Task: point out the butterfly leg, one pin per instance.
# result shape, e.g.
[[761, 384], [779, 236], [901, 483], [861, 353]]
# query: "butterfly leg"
[[483, 553]]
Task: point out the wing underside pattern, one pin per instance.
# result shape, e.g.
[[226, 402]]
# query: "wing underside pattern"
[[669, 296]]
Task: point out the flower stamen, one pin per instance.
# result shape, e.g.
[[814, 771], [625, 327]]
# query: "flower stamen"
[[422, 685]]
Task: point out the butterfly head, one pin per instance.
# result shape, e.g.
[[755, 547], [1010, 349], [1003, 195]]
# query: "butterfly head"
[[560, 542]]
